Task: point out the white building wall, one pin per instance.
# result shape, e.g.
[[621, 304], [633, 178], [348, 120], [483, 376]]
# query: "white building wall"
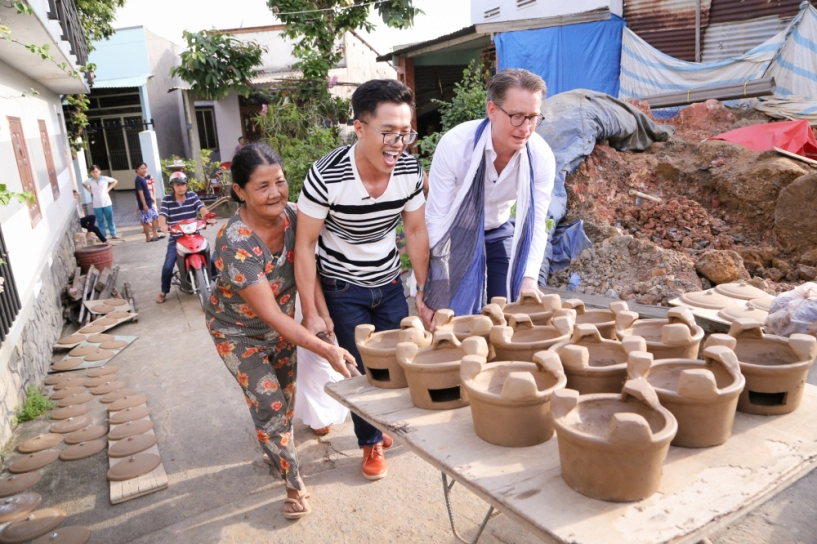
[[515, 10], [360, 66], [228, 124]]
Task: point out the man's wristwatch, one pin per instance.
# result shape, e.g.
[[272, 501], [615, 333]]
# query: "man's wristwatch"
[[420, 288]]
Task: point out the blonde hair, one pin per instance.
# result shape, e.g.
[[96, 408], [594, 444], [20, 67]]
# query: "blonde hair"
[[514, 77]]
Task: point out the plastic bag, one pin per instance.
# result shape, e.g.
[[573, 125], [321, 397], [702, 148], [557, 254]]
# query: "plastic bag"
[[794, 311]]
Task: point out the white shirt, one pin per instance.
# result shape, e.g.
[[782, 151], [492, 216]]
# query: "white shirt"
[[450, 166], [99, 191]]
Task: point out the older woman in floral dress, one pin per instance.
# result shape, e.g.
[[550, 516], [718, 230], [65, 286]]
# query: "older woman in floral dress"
[[250, 312]]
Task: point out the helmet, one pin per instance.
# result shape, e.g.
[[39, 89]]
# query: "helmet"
[[178, 177]]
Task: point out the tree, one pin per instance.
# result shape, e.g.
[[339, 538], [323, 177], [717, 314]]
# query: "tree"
[[95, 17]]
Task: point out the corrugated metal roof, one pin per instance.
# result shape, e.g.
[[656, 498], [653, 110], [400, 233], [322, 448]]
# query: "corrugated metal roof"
[[725, 11], [121, 82], [678, 43], [658, 15], [725, 40]]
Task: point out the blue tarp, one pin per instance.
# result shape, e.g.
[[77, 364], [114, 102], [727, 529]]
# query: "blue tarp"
[[580, 56]]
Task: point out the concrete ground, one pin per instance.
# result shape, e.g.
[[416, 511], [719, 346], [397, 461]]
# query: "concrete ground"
[[221, 491]]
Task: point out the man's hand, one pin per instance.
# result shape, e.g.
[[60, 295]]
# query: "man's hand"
[[425, 313], [314, 324], [527, 283]]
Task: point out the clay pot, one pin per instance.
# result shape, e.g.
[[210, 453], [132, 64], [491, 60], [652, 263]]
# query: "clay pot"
[[377, 351], [677, 337], [433, 373], [612, 446], [521, 339], [533, 303], [593, 364], [603, 320], [702, 395], [775, 367], [510, 401], [470, 325]]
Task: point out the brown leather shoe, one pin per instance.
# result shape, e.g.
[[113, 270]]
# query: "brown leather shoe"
[[374, 463], [387, 441]]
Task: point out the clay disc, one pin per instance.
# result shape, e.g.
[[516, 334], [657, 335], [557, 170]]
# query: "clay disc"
[[92, 432], [129, 414], [19, 483], [39, 443], [740, 290], [100, 355], [54, 380], [744, 311], [102, 309], [127, 402], [82, 351], [99, 338], [93, 329], [133, 467], [75, 534], [100, 380], [763, 303], [130, 428], [708, 299], [18, 506], [108, 387], [70, 411], [34, 461], [68, 364], [82, 450], [35, 524], [102, 371], [71, 424], [132, 445], [70, 381], [75, 399], [73, 339], [119, 315], [116, 395], [103, 322], [115, 301], [113, 344], [67, 392]]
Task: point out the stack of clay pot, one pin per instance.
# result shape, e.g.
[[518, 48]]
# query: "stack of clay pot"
[[521, 339], [532, 303], [470, 325], [678, 336], [377, 350], [603, 320], [775, 367]]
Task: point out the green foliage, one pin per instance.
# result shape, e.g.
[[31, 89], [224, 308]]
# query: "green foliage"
[[36, 404], [213, 64], [190, 170], [6, 196], [77, 121], [96, 18], [550, 224]]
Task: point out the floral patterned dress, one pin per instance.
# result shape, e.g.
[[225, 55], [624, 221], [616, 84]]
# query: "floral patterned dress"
[[262, 361]]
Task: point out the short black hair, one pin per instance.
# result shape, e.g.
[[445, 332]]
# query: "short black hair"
[[247, 159], [374, 92]]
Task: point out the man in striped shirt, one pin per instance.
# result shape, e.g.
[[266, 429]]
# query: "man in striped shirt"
[[352, 201]]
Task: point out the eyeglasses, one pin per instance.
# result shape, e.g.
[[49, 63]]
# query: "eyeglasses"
[[517, 118], [394, 138]]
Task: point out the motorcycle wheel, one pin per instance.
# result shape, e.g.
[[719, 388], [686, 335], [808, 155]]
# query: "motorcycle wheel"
[[203, 287]]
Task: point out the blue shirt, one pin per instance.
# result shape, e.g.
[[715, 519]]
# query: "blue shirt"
[[141, 184], [175, 211]]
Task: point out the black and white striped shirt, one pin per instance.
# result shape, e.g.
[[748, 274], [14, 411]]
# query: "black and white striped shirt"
[[358, 240], [176, 211]]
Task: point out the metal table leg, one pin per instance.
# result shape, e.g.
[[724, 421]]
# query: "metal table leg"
[[447, 491]]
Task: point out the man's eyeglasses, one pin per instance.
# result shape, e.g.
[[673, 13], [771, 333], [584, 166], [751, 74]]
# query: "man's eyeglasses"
[[517, 118], [394, 138]]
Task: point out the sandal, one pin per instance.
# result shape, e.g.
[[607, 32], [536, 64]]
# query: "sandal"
[[300, 501], [161, 298], [323, 431]]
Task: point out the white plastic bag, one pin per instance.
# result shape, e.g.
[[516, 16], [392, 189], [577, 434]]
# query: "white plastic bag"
[[794, 311]]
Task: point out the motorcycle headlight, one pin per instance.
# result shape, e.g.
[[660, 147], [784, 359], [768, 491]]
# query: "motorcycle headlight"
[[189, 228]]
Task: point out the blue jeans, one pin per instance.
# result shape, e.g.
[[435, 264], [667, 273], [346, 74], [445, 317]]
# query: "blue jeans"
[[352, 305], [498, 244], [104, 216], [170, 264]]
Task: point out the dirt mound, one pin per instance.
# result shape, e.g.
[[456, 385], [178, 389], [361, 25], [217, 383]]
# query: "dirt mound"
[[795, 219]]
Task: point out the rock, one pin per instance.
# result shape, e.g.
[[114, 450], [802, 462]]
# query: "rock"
[[721, 266], [806, 273], [773, 274], [761, 284], [611, 293], [795, 218], [809, 258]]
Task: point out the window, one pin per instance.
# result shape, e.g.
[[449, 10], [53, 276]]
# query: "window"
[[206, 121], [114, 142], [493, 12], [23, 159], [9, 298], [524, 3], [49, 159]]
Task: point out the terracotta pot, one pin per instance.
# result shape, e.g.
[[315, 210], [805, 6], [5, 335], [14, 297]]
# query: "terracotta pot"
[[533, 303], [377, 350], [702, 395], [510, 401], [469, 325], [593, 364], [775, 367], [433, 373], [603, 320], [612, 447], [99, 256], [677, 337], [521, 339]]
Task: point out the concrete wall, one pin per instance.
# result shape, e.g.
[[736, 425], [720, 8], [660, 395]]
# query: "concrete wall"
[[228, 124], [508, 10], [166, 107], [359, 65], [125, 54]]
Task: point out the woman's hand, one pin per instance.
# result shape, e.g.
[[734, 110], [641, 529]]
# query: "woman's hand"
[[338, 357], [330, 325], [314, 324]]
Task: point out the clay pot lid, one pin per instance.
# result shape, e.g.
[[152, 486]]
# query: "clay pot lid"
[[134, 466], [113, 344], [35, 524], [96, 328], [102, 309], [72, 339], [74, 534], [129, 414], [82, 351], [70, 381], [102, 371], [40, 442], [130, 428], [34, 461], [54, 380], [100, 355], [18, 483], [116, 395], [763, 303], [708, 299], [74, 410], [75, 399], [91, 432], [744, 311], [68, 364], [100, 380], [129, 401], [119, 315], [115, 302], [16, 507], [103, 322], [740, 290], [67, 392], [108, 387], [82, 450], [99, 338], [132, 445], [71, 424]]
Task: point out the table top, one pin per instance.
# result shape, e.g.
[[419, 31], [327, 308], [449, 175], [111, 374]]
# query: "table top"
[[702, 490]]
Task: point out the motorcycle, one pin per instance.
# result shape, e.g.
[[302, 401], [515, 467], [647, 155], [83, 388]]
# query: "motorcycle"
[[192, 274]]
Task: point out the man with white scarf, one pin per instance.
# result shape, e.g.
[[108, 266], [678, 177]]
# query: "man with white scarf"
[[480, 170]]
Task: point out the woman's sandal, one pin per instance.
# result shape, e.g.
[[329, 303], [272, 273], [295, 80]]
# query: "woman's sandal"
[[161, 298], [323, 431], [300, 501]]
